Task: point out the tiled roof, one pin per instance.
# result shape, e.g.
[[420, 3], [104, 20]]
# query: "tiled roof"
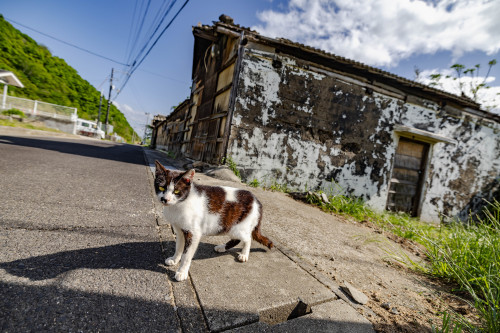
[[227, 22]]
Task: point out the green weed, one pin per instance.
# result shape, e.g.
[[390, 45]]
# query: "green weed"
[[254, 183], [278, 187], [232, 165]]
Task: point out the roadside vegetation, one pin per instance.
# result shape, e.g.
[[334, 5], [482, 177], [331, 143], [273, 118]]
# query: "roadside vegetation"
[[463, 253], [17, 118]]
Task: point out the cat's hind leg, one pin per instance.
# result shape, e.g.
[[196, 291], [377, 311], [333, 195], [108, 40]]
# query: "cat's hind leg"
[[179, 247], [229, 245]]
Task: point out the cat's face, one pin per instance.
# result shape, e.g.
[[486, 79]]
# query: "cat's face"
[[172, 186]]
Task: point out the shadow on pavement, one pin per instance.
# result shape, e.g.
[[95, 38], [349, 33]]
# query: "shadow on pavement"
[[134, 255], [104, 150], [54, 309], [50, 308], [137, 255]]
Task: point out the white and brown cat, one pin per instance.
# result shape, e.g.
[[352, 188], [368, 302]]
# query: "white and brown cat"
[[196, 210]]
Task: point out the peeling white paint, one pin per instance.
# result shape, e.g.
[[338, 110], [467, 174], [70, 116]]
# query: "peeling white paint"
[[258, 74], [282, 156]]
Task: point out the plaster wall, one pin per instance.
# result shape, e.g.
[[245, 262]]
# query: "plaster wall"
[[308, 128]]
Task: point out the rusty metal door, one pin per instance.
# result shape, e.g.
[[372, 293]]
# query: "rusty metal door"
[[407, 176]]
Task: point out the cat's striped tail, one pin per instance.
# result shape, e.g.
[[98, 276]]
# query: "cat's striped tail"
[[257, 236]]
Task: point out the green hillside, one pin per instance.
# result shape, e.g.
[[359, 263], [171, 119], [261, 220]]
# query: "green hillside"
[[50, 79]]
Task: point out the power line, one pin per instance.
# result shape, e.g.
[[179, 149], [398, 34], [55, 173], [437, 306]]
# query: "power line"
[[164, 76], [141, 25], [135, 64], [163, 16], [59, 40], [129, 46]]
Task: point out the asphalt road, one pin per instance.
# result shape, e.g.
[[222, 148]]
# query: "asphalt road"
[[79, 248]]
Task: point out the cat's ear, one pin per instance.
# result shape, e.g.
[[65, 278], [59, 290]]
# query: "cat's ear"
[[188, 176], [160, 169]]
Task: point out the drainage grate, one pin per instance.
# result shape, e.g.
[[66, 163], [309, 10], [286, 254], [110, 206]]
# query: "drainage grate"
[[279, 314]]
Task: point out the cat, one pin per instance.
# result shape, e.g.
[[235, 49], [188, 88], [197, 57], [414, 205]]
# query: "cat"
[[197, 210]]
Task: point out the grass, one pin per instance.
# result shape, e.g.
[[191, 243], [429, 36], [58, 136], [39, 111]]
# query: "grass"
[[467, 254], [16, 123], [277, 187], [232, 165]]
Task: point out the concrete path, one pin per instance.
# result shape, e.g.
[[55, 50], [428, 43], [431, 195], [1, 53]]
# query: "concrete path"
[[83, 242], [269, 293]]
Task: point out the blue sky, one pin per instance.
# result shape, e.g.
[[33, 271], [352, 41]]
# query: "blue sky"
[[393, 35]]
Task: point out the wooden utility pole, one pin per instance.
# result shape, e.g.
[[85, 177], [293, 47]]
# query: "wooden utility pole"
[[109, 100], [99, 114]]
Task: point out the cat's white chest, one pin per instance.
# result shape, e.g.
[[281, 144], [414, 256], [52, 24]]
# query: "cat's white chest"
[[192, 214]]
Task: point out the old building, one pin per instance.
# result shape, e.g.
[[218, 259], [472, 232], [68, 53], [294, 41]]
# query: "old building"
[[168, 132], [288, 113]]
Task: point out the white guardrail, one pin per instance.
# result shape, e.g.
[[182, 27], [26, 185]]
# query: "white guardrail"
[[39, 108]]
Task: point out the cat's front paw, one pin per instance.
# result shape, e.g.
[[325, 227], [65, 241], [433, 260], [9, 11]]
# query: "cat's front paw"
[[171, 261], [220, 248], [242, 257], [181, 276]]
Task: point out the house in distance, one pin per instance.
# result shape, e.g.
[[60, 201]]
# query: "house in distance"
[[288, 113]]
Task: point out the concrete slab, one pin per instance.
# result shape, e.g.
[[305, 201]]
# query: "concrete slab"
[[267, 287], [336, 316]]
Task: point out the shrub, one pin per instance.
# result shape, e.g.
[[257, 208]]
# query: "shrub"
[[14, 112]]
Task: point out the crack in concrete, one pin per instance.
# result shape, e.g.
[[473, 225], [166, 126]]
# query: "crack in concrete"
[[321, 278]]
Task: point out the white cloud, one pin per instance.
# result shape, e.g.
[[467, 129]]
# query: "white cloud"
[[489, 98], [136, 119], [382, 32]]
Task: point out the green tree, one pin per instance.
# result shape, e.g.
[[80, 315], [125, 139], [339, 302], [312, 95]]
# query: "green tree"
[[50, 79]]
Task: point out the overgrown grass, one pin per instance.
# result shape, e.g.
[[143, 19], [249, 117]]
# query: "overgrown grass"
[[469, 254], [464, 253]]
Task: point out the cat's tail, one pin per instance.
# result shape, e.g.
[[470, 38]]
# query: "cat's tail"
[[256, 235]]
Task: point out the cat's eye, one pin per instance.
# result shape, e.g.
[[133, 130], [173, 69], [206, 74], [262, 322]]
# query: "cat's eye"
[[176, 191], [161, 188]]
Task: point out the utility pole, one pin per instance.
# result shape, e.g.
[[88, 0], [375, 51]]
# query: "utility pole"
[[146, 127], [109, 100], [99, 114]]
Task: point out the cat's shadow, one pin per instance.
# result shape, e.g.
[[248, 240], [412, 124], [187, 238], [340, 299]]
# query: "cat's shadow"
[[134, 255], [206, 250], [232, 252]]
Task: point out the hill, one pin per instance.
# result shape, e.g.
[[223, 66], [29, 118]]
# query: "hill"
[[50, 79]]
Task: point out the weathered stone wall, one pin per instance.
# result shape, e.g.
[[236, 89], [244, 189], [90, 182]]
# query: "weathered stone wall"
[[309, 128]]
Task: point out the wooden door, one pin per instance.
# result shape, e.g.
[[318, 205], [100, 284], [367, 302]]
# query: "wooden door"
[[406, 183]]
